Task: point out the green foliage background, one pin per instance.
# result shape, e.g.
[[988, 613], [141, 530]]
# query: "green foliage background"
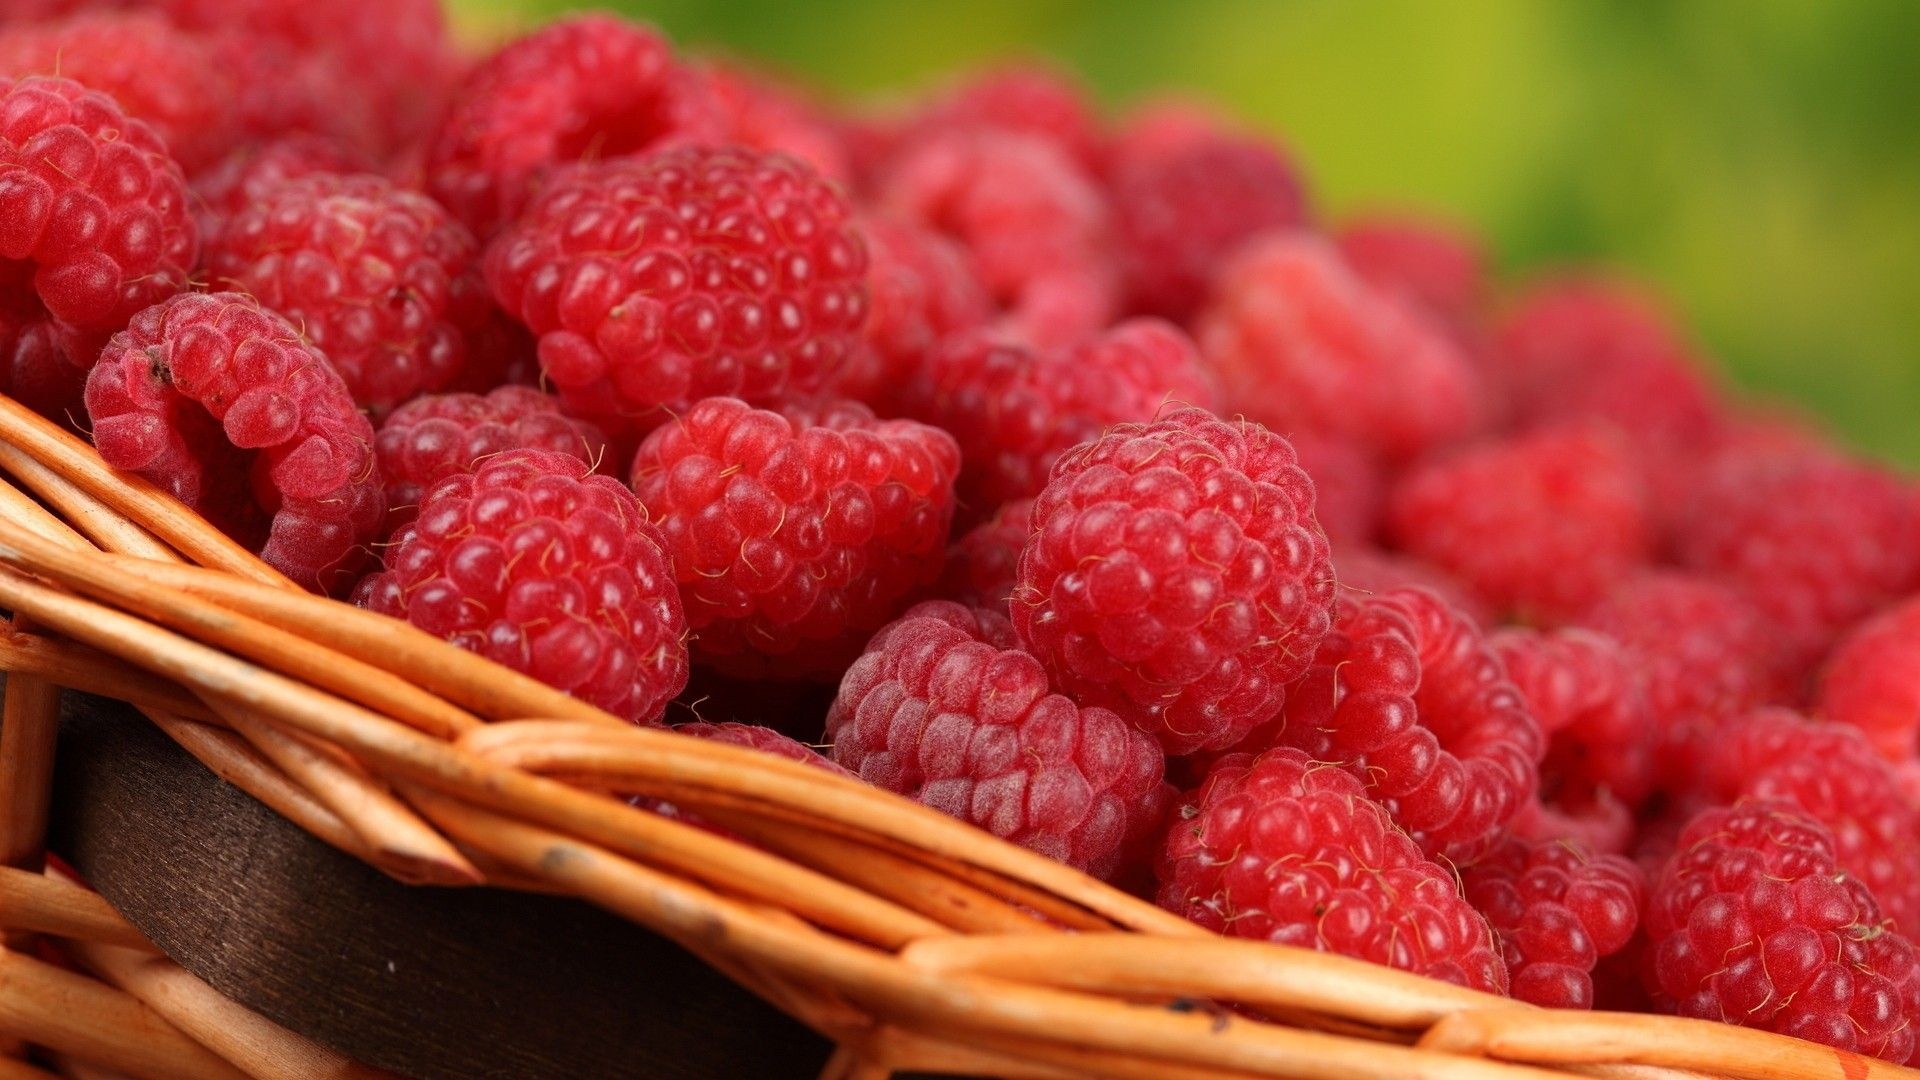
[[1758, 160]]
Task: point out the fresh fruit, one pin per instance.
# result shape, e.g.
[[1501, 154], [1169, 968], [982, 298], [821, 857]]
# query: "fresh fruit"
[[1557, 910]]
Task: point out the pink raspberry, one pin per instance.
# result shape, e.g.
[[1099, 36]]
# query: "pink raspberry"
[[1022, 98], [1281, 848], [1014, 410], [1176, 576], [1436, 265], [220, 402], [1408, 696], [1542, 525], [762, 113], [1557, 910], [1037, 228], [945, 708], [983, 566], [692, 273], [1367, 571], [1871, 681], [1753, 923], [380, 279], [1187, 193], [1816, 541], [1585, 690], [1349, 486], [532, 562], [156, 72], [1300, 342], [796, 534], [439, 435], [93, 227], [587, 87], [922, 289]]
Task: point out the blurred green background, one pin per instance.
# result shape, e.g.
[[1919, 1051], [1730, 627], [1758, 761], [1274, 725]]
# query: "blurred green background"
[[1757, 160]]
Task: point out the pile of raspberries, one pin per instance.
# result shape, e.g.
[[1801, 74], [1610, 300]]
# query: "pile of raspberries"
[[1077, 476]]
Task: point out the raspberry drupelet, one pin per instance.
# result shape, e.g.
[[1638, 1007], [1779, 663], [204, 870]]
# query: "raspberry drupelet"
[[1279, 847], [381, 279], [796, 534], [1871, 681], [1407, 694], [945, 708], [685, 274], [1542, 525], [1301, 343], [1015, 410], [983, 566], [1176, 575], [592, 86], [94, 227], [534, 563], [221, 402], [439, 435], [1585, 690], [1557, 910], [1752, 922]]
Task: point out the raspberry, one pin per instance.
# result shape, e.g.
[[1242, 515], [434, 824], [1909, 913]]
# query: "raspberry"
[[1753, 923], [1407, 694], [1300, 342], [1542, 525], [93, 228], [796, 534], [1594, 819], [1349, 486], [244, 178], [219, 401], [1035, 226], [1014, 410], [682, 275], [1816, 541], [764, 114], [1026, 99], [983, 566], [1176, 576], [1187, 193], [440, 435], [1282, 848], [591, 86], [1368, 570], [922, 290], [943, 708], [1437, 266], [767, 741], [380, 279], [1832, 775], [1872, 681], [530, 561], [157, 73], [1556, 910], [1585, 691], [1579, 347]]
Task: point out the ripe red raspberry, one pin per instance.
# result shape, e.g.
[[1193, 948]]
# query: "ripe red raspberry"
[[1281, 848], [767, 741], [1407, 694], [380, 279], [93, 227], [532, 562], [681, 275], [1830, 773], [1176, 576], [243, 178], [591, 86], [1816, 541], [1436, 265], [1557, 910], [1015, 410], [1579, 347], [1300, 342], [219, 401], [983, 566], [922, 290], [1368, 571], [1753, 923], [1595, 819], [946, 709], [1187, 193], [1349, 486], [156, 72], [765, 114], [1023, 98], [1871, 681], [796, 534], [1542, 525], [440, 435], [1585, 690], [1035, 226]]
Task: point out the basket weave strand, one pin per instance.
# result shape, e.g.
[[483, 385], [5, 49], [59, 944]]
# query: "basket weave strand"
[[912, 940]]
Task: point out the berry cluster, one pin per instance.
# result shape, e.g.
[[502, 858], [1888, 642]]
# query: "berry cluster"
[[1078, 477]]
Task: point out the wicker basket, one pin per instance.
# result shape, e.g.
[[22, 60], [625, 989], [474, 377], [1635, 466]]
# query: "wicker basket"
[[913, 941]]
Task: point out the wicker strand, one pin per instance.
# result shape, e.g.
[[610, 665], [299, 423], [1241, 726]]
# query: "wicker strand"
[[89, 517], [49, 905], [73, 1014], [90, 671]]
